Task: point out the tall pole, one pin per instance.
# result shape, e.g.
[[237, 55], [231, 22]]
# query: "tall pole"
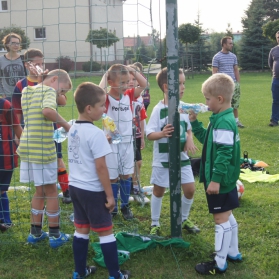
[[173, 117]]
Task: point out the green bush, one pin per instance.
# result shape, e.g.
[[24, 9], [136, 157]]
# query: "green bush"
[[91, 66], [65, 63]]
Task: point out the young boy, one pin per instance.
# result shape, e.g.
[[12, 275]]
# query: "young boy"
[[159, 131], [90, 187], [11, 65], [119, 107], [8, 158], [220, 170], [34, 58], [38, 154]]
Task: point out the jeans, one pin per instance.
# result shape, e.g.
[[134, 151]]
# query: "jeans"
[[275, 102]]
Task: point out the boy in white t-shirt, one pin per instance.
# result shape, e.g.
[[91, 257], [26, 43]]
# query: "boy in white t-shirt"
[[119, 107], [90, 187], [159, 131]]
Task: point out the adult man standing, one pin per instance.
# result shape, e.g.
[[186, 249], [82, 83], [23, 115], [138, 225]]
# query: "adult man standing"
[[273, 63], [226, 62]]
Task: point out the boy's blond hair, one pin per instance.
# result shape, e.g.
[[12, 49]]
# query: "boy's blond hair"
[[162, 77], [115, 71], [219, 85], [63, 76], [87, 93]]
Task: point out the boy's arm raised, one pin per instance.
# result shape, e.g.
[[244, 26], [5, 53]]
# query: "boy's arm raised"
[[103, 175], [104, 81]]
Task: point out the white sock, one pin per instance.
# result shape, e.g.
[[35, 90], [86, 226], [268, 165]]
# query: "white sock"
[[236, 119], [233, 250], [156, 205], [185, 207], [223, 235]]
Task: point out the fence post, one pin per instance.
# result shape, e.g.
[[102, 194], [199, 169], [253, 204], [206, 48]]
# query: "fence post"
[[173, 117]]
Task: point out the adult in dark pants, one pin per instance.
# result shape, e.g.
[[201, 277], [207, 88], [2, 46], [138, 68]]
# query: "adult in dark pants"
[[273, 63]]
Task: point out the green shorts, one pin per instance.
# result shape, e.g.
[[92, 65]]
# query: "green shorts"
[[236, 96]]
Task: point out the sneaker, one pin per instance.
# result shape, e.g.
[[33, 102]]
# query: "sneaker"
[[190, 227], [66, 197], [127, 213], [210, 268], [59, 241], [139, 199], [239, 124], [124, 274], [89, 270], [155, 230], [236, 259], [32, 239], [273, 123]]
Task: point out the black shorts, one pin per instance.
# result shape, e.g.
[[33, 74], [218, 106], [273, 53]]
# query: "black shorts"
[[222, 202], [5, 179], [138, 150], [90, 210]]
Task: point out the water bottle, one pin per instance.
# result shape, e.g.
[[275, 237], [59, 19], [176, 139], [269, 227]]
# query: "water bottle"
[[111, 129], [59, 135], [197, 108]]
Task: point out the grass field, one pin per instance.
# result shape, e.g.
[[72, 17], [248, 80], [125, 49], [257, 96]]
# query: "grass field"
[[257, 215]]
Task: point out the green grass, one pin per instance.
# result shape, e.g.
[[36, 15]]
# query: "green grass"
[[257, 215]]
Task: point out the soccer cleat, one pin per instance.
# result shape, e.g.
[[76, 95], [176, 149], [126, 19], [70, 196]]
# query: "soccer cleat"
[[237, 259], [210, 268], [32, 239], [124, 274], [89, 270], [127, 213], [139, 199], [155, 230], [59, 241], [190, 227], [273, 123], [239, 124], [66, 197]]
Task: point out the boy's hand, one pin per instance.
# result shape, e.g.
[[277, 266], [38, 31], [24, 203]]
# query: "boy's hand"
[[190, 146], [167, 131], [110, 203], [142, 144], [213, 188], [109, 138], [192, 116]]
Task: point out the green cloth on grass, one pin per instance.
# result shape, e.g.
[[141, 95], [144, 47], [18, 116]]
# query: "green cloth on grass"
[[131, 243], [258, 176]]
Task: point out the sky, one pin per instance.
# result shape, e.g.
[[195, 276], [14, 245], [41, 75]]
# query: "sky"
[[214, 15]]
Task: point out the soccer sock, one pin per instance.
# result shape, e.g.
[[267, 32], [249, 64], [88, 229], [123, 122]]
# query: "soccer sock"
[[4, 203], [233, 250], [114, 187], [156, 205], [125, 186], [236, 119], [63, 179], [54, 231], [80, 249], [36, 230], [109, 249], [185, 207], [223, 235]]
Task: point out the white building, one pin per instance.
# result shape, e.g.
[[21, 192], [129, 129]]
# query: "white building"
[[60, 27]]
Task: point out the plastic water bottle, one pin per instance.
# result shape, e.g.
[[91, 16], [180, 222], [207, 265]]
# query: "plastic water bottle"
[[197, 108], [59, 135], [111, 129]]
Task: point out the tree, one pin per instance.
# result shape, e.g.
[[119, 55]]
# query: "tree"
[[25, 41], [101, 38], [187, 34], [254, 47], [229, 31], [270, 29], [215, 41], [272, 9]]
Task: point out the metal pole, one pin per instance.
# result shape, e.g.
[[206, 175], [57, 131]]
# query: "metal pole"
[[173, 117]]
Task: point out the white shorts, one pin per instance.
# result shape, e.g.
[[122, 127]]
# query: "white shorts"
[[121, 160], [160, 176], [40, 174]]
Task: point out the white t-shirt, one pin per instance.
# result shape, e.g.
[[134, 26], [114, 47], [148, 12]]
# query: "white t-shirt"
[[86, 143], [157, 121]]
